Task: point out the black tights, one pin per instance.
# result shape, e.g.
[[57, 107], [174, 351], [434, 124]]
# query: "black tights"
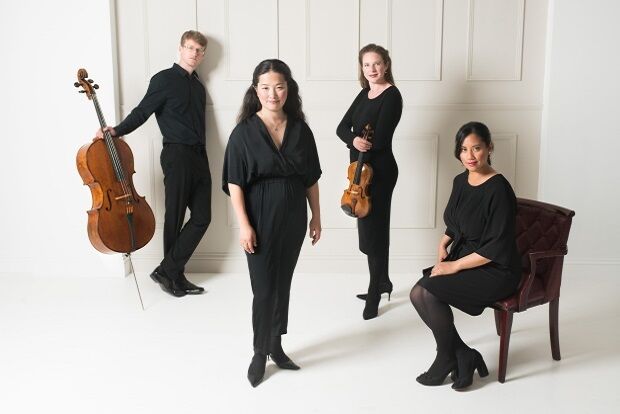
[[438, 317], [378, 266]]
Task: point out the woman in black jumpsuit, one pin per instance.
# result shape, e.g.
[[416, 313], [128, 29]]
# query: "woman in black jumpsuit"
[[483, 265], [271, 167], [379, 104]]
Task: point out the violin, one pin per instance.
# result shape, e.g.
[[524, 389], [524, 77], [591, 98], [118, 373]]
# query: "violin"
[[119, 221], [355, 201]]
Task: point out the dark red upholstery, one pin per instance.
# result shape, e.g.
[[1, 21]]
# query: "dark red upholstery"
[[542, 234]]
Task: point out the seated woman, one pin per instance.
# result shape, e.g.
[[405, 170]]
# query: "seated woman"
[[483, 265]]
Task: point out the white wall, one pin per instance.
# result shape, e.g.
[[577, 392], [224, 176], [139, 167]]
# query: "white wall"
[[580, 145], [45, 120], [44, 123], [454, 61]]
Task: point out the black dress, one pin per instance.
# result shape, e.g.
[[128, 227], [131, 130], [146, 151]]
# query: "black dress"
[[479, 219], [274, 184], [383, 114]]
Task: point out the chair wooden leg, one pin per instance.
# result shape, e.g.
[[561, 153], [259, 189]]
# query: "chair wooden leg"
[[504, 341], [497, 316], [554, 307]]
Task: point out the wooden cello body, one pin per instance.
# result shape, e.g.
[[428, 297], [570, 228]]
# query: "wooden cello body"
[[355, 201], [119, 221]]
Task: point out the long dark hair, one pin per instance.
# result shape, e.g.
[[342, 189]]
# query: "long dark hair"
[[251, 103], [477, 128], [385, 56]]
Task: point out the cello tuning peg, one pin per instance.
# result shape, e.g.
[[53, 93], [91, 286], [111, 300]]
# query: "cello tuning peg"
[[90, 80], [82, 91], [96, 86], [76, 84]]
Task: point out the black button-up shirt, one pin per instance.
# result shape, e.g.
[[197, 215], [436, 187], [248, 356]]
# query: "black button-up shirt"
[[178, 101]]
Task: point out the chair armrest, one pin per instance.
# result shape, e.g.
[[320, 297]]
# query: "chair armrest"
[[524, 292]]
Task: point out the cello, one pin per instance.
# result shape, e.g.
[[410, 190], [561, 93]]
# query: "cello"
[[355, 201], [119, 221]]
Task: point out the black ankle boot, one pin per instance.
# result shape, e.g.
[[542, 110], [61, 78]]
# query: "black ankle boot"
[[279, 357], [256, 370]]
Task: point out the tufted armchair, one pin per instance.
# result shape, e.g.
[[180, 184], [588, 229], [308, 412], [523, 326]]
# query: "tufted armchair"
[[542, 232]]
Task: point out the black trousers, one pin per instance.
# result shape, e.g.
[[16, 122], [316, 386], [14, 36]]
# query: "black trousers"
[[277, 211], [187, 183]]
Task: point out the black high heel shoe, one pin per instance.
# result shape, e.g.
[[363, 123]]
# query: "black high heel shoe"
[[371, 310], [469, 361], [438, 378], [384, 287], [256, 370]]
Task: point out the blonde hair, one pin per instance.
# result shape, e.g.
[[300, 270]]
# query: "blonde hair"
[[195, 36]]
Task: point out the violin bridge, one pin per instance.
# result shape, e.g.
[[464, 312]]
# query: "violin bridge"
[[122, 197]]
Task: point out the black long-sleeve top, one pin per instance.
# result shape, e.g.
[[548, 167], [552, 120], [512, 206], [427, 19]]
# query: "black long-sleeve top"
[[178, 100], [382, 113]]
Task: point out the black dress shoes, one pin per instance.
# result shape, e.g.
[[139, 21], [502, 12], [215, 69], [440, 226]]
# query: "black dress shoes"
[[189, 287], [168, 285]]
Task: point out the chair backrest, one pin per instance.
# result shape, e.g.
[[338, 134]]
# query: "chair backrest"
[[541, 227]]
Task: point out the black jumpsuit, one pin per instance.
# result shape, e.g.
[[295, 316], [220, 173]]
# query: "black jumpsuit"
[[274, 184], [479, 219], [383, 114]]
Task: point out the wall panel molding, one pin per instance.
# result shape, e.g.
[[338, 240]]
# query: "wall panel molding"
[[504, 157], [414, 202], [416, 43], [328, 66], [484, 64], [244, 52]]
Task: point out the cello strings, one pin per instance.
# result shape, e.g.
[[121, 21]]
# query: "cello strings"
[[115, 160]]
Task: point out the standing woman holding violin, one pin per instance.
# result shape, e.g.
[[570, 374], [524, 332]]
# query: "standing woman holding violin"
[[380, 105]]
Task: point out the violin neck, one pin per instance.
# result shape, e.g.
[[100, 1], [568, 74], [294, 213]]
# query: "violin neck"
[[116, 161], [358, 169]]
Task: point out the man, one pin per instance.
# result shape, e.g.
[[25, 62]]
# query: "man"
[[177, 97]]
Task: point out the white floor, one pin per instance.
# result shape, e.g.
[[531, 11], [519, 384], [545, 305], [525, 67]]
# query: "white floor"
[[85, 346]]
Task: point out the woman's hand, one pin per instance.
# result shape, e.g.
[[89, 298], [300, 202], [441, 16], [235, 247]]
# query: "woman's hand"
[[247, 238], [445, 268], [442, 253], [314, 229], [362, 145]]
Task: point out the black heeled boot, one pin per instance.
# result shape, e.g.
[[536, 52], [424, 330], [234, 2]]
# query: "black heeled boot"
[[256, 371], [384, 287], [469, 361], [279, 357]]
